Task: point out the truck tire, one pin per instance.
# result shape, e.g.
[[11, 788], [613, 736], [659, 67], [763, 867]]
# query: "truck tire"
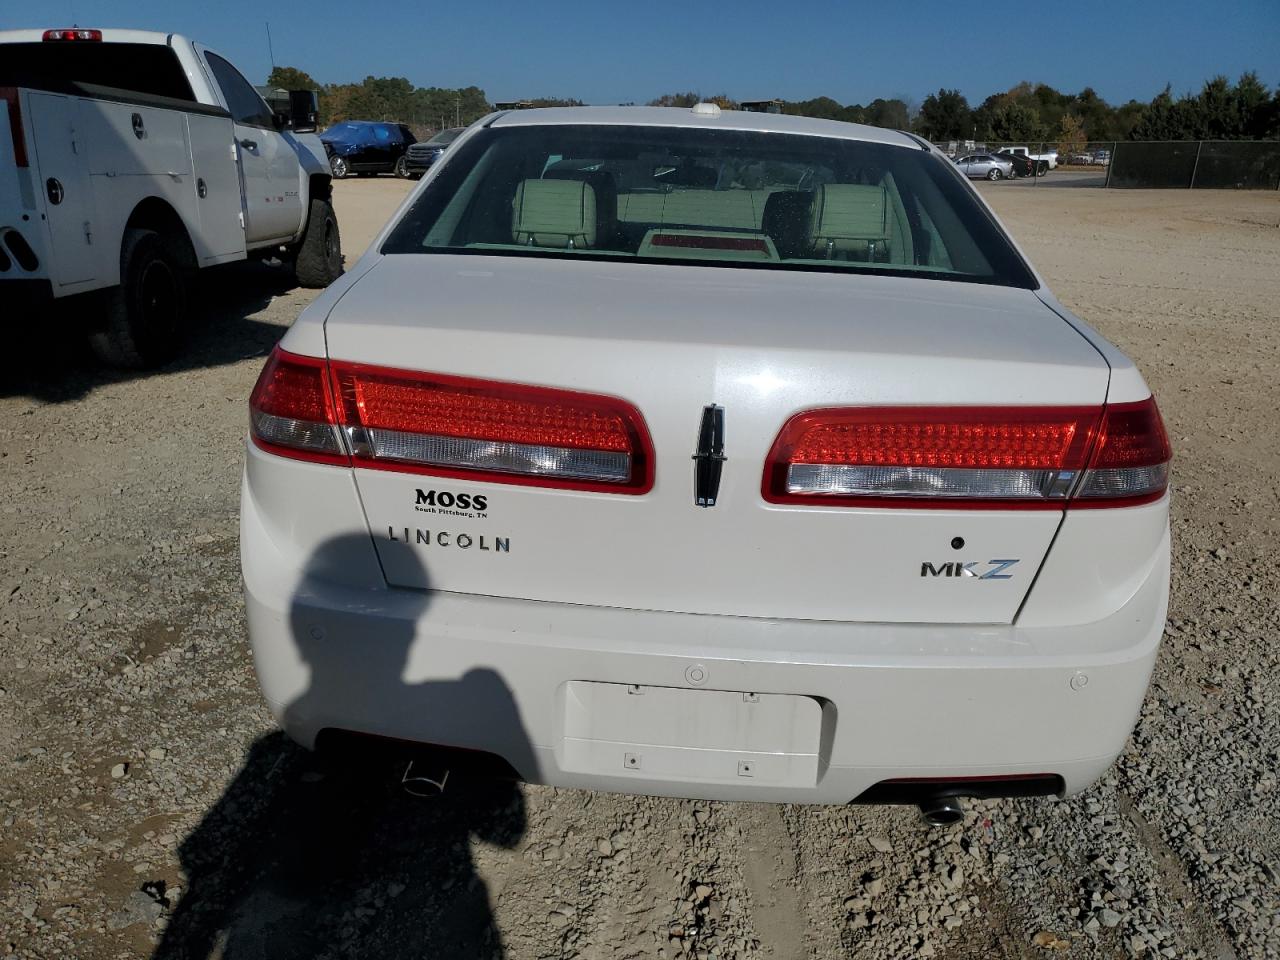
[[338, 167], [146, 314], [318, 257]]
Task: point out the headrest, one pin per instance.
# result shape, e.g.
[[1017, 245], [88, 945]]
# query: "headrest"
[[850, 216], [554, 213]]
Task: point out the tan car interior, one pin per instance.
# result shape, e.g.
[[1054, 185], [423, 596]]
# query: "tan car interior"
[[860, 222]]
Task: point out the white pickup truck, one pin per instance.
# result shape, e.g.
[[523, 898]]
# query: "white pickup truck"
[[128, 161], [1044, 161]]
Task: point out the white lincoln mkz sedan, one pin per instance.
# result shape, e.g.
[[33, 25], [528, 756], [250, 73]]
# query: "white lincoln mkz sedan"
[[706, 454]]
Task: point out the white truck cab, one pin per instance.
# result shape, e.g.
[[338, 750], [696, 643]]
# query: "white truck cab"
[[131, 159], [1050, 157]]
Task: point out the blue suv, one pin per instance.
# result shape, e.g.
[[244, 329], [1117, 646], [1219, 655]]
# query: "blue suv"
[[365, 147]]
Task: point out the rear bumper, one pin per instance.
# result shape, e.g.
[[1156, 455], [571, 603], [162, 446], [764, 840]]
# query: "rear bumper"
[[544, 685]]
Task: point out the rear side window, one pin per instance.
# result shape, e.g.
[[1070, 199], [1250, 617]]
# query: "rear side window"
[[242, 100], [709, 197], [146, 68]]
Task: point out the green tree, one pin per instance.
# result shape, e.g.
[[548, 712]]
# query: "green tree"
[[291, 78], [824, 108], [945, 116], [888, 113], [676, 100], [1071, 138], [1015, 121]]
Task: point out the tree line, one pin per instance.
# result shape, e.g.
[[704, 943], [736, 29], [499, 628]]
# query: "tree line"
[[1221, 110], [424, 109], [1245, 110]]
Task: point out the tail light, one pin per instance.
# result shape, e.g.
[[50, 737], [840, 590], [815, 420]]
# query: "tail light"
[[291, 410], [10, 96], [443, 425], [970, 457], [72, 33], [1131, 463]]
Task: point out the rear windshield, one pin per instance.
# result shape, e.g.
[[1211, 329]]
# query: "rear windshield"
[[708, 197], [148, 68]]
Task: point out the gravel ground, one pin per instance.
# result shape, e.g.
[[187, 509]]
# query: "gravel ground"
[[148, 808]]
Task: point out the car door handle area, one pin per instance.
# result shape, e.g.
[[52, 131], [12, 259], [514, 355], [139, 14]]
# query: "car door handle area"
[[249, 144]]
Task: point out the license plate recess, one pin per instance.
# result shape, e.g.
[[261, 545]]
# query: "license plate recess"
[[695, 736]]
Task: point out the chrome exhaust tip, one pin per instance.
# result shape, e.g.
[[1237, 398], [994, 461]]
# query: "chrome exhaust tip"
[[942, 811], [420, 781]]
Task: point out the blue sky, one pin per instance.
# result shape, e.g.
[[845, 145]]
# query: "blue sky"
[[609, 52]]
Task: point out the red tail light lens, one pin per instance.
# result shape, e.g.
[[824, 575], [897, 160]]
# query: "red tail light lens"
[[291, 410], [10, 96], [402, 420], [1131, 464], [969, 457], [504, 432], [73, 33]]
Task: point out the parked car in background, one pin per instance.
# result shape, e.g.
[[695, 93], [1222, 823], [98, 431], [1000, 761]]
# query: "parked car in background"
[[1102, 157], [1022, 166], [130, 160], [424, 153], [984, 166], [367, 147], [921, 550], [1050, 157]]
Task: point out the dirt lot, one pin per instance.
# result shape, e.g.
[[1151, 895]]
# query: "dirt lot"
[[146, 806]]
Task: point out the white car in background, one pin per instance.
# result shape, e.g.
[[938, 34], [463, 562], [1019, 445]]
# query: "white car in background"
[[703, 454]]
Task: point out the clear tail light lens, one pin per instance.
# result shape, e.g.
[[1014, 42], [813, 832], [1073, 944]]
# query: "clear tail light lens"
[[407, 421], [970, 457]]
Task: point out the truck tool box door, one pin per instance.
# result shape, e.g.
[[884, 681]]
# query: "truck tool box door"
[[62, 155]]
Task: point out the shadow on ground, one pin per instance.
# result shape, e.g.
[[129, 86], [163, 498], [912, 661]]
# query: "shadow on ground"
[[57, 366], [307, 858]]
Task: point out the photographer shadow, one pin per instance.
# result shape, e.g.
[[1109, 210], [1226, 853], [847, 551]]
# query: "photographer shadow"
[[304, 856]]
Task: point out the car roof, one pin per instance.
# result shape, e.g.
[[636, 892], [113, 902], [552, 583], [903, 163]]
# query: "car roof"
[[685, 117]]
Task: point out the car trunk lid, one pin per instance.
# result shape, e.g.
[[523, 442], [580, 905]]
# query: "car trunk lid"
[[761, 345]]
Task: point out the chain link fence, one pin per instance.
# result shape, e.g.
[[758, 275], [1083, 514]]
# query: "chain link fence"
[[1185, 164]]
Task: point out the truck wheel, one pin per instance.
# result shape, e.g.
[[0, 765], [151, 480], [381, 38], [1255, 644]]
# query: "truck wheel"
[[1042, 169], [318, 258], [402, 168], [339, 167], [146, 313]]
